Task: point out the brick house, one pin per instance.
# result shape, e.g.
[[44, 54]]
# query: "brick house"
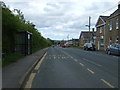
[[75, 42], [84, 37], [112, 32], [100, 32]]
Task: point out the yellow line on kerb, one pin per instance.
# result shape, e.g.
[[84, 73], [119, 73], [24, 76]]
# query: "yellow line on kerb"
[[39, 63], [107, 83], [90, 70], [32, 75], [29, 82]]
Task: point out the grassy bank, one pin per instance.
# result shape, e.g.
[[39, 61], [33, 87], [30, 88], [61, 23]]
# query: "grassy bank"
[[10, 58]]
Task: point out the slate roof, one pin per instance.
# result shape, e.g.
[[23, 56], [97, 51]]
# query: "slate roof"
[[117, 12], [86, 34], [104, 18]]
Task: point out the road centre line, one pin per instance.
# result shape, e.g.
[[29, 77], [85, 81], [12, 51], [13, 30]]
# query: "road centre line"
[[92, 62], [107, 83], [71, 57], [81, 64], [75, 60], [90, 71]]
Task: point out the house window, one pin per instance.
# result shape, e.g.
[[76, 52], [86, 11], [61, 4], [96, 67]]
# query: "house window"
[[117, 38], [110, 40], [101, 40], [117, 23], [100, 29], [110, 25]]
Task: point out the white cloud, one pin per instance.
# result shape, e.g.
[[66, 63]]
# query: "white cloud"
[[56, 19]]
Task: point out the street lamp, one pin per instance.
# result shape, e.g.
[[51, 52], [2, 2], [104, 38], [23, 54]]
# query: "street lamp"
[[89, 27]]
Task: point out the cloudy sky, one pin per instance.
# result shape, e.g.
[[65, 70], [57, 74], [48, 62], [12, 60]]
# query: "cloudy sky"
[[57, 19]]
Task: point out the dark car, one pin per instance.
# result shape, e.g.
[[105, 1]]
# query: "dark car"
[[113, 49], [89, 46]]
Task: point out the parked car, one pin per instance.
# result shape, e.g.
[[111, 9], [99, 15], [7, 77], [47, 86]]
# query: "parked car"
[[89, 46], [113, 49], [63, 46], [53, 46]]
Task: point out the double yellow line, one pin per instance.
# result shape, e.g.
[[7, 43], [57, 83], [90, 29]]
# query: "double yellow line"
[[32, 75]]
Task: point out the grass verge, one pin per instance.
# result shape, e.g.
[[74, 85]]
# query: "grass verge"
[[10, 58]]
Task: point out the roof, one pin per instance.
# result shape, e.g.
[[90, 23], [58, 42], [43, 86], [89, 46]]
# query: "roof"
[[103, 18], [85, 34], [117, 12], [75, 39]]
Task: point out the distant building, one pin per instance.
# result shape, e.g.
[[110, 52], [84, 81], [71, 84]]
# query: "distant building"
[[100, 32], [75, 42], [85, 36], [69, 43]]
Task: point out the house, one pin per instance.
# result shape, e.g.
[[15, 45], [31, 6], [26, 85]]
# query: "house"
[[112, 32], [108, 30], [75, 42], [69, 43], [85, 37], [100, 32]]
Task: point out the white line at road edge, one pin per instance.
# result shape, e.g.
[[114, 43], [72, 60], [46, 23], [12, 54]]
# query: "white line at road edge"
[[32, 75]]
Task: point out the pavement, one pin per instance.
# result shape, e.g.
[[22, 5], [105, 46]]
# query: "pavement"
[[14, 74]]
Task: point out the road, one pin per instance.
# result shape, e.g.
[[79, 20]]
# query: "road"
[[76, 68]]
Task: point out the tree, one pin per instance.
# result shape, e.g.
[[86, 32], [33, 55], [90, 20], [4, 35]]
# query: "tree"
[[12, 23]]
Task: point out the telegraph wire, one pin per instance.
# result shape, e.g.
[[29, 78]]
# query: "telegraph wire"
[[109, 9]]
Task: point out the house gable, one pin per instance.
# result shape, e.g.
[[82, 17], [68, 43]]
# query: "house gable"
[[100, 22]]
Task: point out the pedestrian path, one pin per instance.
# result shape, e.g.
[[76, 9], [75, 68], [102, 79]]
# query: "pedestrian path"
[[14, 74]]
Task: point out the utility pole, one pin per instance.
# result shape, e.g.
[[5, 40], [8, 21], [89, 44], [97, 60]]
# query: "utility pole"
[[93, 34], [89, 27]]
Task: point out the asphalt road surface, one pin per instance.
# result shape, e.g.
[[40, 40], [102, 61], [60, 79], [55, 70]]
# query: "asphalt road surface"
[[76, 68]]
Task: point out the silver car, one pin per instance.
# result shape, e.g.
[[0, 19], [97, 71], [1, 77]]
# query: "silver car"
[[89, 46], [113, 49]]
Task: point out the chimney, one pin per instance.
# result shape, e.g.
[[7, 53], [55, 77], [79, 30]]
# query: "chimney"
[[119, 5]]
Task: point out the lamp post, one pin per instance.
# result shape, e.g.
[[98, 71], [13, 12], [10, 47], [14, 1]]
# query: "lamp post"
[[89, 27]]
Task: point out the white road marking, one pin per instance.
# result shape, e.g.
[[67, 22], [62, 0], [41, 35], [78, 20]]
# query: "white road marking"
[[92, 62], [81, 64], [115, 57], [107, 83], [71, 57], [75, 60], [90, 71]]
